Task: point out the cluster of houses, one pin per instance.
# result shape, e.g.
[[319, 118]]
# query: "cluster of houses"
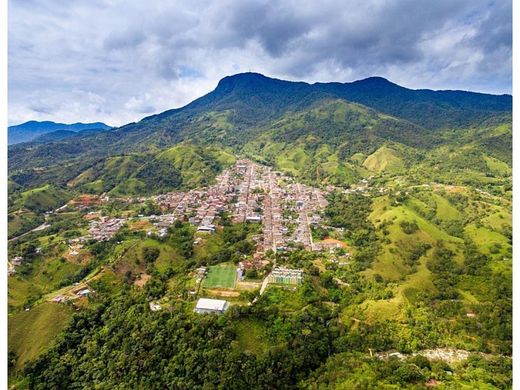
[[251, 193], [105, 228], [199, 207], [289, 209]]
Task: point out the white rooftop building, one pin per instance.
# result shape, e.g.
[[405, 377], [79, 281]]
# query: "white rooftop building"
[[84, 292], [214, 306], [206, 229]]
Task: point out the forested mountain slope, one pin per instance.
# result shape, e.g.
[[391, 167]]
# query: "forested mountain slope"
[[243, 104]]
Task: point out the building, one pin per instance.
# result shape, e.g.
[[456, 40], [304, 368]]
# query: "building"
[[83, 293], [282, 275], [254, 218], [206, 229], [212, 306]]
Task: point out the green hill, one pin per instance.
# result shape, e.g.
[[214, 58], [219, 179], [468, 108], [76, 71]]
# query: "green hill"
[[384, 159], [242, 104], [45, 198], [182, 166]]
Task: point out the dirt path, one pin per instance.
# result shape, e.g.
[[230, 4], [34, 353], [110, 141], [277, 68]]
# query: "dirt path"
[[449, 355], [264, 284], [224, 293]]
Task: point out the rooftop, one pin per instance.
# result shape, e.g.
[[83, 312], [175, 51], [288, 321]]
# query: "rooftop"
[[211, 304]]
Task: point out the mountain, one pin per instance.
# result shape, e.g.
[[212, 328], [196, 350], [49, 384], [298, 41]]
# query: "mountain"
[[29, 131], [59, 135], [251, 113]]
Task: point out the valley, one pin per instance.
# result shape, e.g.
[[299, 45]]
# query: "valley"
[[336, 234]]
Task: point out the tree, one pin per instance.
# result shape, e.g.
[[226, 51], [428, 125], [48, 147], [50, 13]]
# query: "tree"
[[150, 254]]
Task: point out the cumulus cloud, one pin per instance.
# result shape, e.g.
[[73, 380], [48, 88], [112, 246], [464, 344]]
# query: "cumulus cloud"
[[116, 61]]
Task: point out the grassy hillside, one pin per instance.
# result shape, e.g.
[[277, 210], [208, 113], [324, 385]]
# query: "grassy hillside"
[[384, 159], [180, 167], [32, 332], [197, 166], [45, 198], [242, 105]]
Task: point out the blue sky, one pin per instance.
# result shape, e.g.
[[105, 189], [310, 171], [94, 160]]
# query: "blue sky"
[[118, 61]]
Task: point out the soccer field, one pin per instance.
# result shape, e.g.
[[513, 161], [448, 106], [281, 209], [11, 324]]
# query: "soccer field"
[[221, 276]]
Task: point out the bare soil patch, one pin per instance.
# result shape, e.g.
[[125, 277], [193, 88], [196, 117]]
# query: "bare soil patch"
[[141, 280]]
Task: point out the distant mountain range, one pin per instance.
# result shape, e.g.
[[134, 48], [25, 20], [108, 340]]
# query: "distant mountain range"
[[32, 130]]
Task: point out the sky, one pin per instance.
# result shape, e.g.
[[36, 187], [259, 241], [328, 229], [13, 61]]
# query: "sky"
[[119, 61]]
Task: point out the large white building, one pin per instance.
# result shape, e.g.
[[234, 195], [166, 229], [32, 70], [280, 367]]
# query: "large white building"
[[214, 306]]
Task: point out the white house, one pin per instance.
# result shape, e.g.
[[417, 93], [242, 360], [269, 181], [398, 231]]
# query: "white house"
[[206, 229], [83, 293]]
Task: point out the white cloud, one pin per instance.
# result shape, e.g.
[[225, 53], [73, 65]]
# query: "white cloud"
[[117, 61]]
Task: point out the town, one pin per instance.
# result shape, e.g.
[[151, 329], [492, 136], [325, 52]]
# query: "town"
[[247, 192]]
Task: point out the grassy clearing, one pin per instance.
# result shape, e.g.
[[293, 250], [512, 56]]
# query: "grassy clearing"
[[386, 309], [497, 167], [499, 219], [287, 299], [293, 160], [22, 221], [210, 245], [130, 255], [221, 276], [42, 198], [445, 210], [389, 264], [129, 187], [251, 336], [32, 332]]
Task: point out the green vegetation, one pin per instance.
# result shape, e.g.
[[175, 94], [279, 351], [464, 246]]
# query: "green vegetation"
[[384, 159], [32, 332], [350, 371], [45, 198]]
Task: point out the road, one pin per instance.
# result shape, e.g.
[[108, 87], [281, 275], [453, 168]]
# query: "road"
[[43, 226], [304, 216]]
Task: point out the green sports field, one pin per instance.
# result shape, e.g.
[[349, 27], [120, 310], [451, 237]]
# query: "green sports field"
[[221, 276]]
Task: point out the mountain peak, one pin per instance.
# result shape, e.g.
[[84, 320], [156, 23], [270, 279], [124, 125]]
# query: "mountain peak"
[[249, 80], [376, 82]]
